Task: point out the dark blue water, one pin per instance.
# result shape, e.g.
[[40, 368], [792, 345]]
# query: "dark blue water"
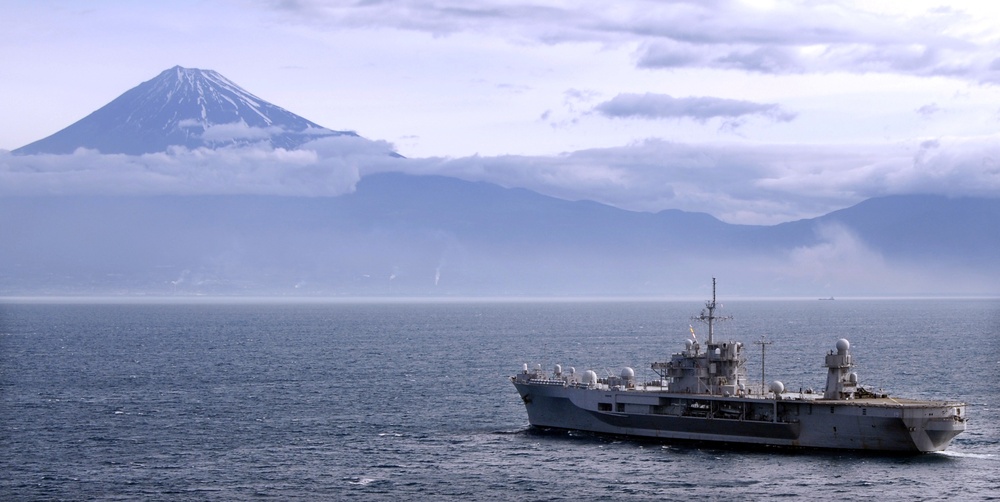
[[397, 400]]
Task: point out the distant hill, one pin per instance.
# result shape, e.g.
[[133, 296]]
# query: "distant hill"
[[427, 235], [182, 107]]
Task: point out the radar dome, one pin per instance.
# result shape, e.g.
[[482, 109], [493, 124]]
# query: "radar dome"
[[628, 373], [843, 346], [589, 377], [777, 387]]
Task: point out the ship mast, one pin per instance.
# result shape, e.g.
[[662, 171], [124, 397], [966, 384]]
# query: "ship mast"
[[708, 316], [763, 346]]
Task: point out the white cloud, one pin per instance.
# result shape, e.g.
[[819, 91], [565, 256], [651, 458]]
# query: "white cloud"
[[222, 133], [838, 253], [329, 167], [841, 261]]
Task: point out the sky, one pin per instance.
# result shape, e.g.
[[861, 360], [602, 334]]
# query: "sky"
[[755, 111]]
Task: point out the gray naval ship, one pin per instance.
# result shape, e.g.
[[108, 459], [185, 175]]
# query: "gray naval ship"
[[702, 395]]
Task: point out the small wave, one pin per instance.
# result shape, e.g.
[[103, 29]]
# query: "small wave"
[[360, 481], [960, 454], [522, 430]]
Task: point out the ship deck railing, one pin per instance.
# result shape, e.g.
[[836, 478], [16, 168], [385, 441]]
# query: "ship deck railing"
[[547, 381]]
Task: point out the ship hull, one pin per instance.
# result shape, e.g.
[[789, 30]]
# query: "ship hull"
[[878, 424]]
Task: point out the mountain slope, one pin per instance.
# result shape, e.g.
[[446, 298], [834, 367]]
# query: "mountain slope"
[[426, 235], [396, 234], [182, 107]]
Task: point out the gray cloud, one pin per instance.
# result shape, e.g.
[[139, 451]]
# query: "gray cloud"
[[658, 106], [438, 18], [791, 37], [910, 57], [928, 110]]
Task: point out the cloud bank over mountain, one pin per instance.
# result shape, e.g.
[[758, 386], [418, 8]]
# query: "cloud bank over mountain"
[[738, 183], [329, 167]]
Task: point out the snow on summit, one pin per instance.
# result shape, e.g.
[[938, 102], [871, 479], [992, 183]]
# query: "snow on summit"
[[186, 107]]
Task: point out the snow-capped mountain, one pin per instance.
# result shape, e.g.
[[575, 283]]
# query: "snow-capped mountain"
[[185, 107]]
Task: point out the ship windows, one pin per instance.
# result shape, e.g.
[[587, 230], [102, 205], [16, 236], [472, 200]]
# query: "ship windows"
[[603, 406], [621, 408]]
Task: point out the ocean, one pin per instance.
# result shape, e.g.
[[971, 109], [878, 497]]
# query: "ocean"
[[196, 399]]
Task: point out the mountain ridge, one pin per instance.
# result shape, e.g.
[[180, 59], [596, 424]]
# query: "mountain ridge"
[[406, 235]]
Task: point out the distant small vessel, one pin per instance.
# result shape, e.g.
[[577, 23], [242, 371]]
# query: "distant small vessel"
[[702, 395], [830, 298]]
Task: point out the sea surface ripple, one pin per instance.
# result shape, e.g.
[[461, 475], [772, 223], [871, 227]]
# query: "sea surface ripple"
[[411, 400]]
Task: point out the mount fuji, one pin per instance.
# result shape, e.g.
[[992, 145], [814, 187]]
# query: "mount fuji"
[[185, 107]]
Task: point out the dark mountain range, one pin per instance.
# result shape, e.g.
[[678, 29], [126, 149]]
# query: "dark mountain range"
[[399, 234], [425, 235], [182, 107]]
